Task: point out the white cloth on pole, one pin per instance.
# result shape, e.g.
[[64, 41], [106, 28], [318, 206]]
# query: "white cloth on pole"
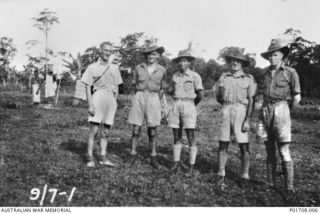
[[36, 97], [49, 89], [80, 92]]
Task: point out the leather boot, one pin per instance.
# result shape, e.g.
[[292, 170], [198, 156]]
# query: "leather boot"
[[154, 162], [175, 167], [183, 166], [191, 172], [132, 160]]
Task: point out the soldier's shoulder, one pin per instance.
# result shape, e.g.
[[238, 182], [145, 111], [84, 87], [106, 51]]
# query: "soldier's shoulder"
[[140, 66], [290, 69], [249, 76], [196, 74], [91, 66], [160, 67], [114, 66], [225, 75]]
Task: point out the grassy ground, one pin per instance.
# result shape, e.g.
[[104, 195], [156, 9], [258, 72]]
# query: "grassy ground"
[[47, 146]]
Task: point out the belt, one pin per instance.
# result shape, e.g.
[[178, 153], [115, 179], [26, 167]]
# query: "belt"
[[273, 100], [184, 99], [147, 90]]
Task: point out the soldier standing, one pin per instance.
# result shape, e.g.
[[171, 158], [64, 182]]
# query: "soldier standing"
[[149, 82], [280, 88], [187, 93], [235, 91]]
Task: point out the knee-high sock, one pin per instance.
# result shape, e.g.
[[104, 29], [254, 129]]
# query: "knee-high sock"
[[176, 152], [245, 162], [193, 154]]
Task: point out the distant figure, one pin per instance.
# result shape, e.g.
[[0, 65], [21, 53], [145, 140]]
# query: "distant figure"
[[186, 90], [149, 82], [102, 80], [280, 88], [235, 91], [35, 82]]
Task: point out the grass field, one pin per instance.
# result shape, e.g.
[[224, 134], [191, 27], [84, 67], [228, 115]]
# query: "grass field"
[[47, 147]]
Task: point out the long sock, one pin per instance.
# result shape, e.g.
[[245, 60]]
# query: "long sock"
[[245, 160], [223, 157], [193, 154], [176, 152], [289, 174]]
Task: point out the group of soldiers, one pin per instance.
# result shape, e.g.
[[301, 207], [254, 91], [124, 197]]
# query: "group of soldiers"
[[235, 91]]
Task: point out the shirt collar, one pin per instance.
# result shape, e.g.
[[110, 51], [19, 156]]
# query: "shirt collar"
[[155, 69], [101, 62], [281, 68], [187, 73], [236, 74]]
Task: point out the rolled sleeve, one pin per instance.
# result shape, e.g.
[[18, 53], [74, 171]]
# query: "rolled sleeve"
[[295, 87], [252, 88], [198, 82], [87, 77], [134, 80], [217, 89], [163, 83], [118, 79]]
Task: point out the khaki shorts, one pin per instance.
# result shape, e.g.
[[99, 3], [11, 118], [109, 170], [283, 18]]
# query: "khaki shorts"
[[233, 116], [277, 121], [105, 106], [145, 105], [182, 113]]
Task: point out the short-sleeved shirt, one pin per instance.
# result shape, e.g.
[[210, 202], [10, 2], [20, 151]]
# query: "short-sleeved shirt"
[[154, 82], [235, 87], [109, 80], [282, 86], [186, 84]]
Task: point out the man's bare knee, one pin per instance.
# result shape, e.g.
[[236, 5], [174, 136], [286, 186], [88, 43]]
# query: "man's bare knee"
[[152, 133], [105, 133], [136, 132], [285, 152]]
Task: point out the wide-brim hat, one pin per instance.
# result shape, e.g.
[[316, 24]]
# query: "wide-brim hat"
[[152, 48], [277, 45], [237, 53], [184, 54]]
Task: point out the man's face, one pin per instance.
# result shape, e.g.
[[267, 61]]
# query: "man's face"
[[152, 57], [183, 64], [106, 51], [235, 65], [275, 58]]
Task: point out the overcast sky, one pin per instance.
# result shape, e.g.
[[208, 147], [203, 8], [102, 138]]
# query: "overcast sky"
[[213, 24]]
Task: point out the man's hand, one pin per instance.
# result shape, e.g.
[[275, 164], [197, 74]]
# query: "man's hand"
[[91, 110], [245, 126], [297, 99]]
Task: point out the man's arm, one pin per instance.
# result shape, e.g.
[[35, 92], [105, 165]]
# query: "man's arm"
[[91, 110], [198, 97], [296, 90], [218, 92], [251, 92], [246, 125]]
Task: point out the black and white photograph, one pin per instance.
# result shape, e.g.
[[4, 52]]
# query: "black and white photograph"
[[159, 103]]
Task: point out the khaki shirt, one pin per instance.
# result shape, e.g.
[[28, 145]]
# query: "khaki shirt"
[[110, 79], [282, 86], [185, 85], [235, 88], [154, 82]]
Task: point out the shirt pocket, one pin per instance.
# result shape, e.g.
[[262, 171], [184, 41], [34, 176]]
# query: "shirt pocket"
[[188, 86], [242, 90], [282, 88], [142, 77]]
